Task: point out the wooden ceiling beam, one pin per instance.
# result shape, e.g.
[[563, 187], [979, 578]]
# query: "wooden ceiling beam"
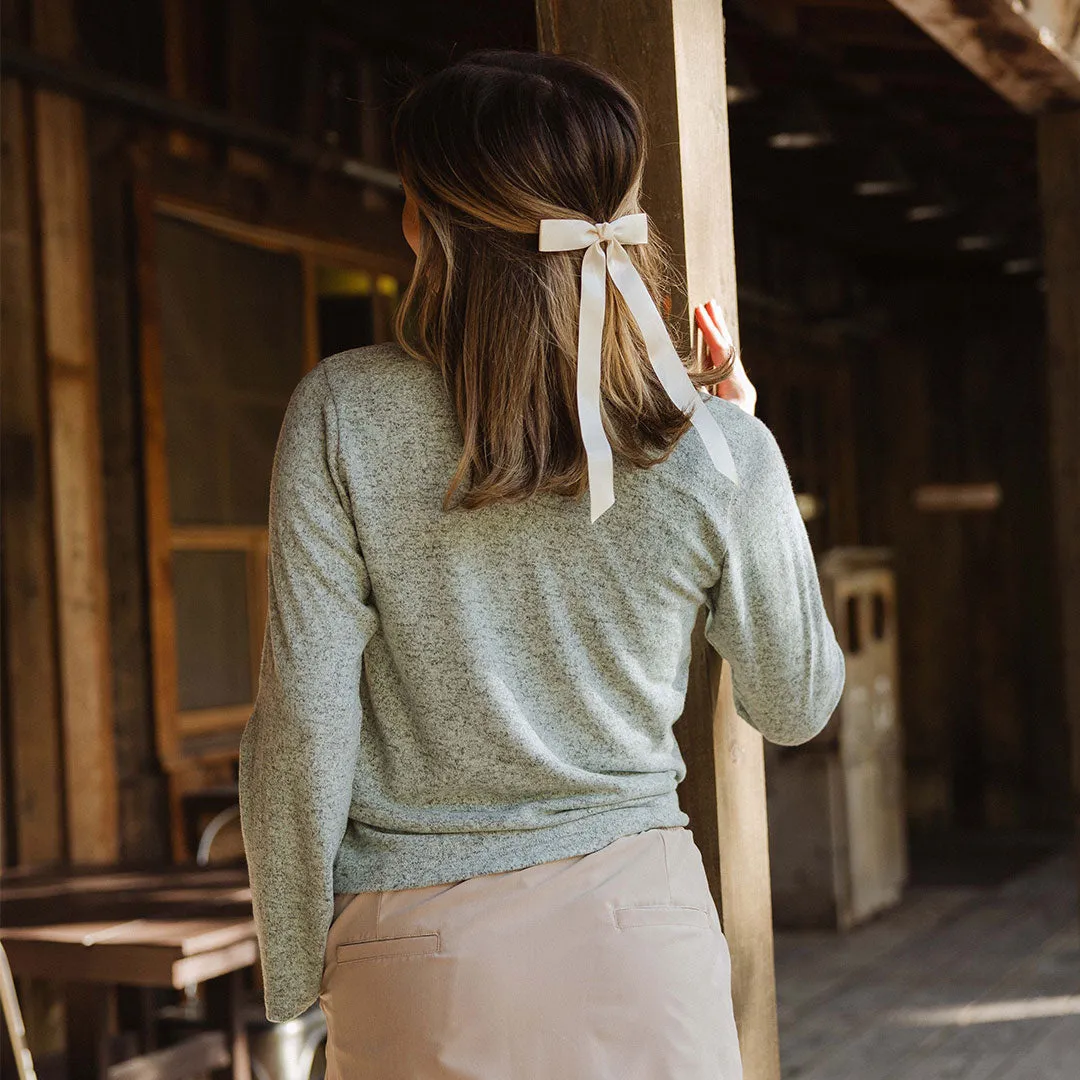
[[923, 108], [1030, 57]]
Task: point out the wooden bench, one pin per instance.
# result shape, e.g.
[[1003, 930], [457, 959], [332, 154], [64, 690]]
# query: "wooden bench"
[[97, 931]]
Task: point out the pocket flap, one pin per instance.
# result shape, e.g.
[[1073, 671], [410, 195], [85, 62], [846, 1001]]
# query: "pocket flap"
[[410, 945], [661, 915]]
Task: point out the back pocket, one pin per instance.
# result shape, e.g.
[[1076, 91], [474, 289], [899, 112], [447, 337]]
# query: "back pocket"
[[661, 915], [408, 945]]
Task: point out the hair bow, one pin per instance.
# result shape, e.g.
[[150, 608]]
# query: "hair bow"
[[606, 255]]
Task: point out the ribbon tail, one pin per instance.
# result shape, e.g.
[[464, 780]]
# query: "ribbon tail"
[[590, 338], [665, 360]]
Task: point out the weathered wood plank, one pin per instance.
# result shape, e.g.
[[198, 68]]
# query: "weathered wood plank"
[[1008, 46], [1050, 1056], [140, 953], [155, 475], [245, 79], [78, 519], [377, 252], [30, 637], [182, 26], [143, 810], [962, 1041], [912, 994], [1059, 184]]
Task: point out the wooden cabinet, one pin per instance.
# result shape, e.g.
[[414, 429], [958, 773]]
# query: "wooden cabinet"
[[838, 843]]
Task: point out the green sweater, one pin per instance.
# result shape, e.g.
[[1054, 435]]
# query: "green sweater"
[[447, 694]]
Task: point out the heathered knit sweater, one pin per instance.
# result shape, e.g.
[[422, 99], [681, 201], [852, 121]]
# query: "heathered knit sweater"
[[447, 694]]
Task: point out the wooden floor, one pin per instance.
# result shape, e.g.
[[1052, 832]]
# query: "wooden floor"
[[958, 983]]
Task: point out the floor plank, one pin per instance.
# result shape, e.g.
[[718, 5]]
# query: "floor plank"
[[957, 983]]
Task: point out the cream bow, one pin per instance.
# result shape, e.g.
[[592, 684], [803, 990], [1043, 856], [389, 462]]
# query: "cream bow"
[[606, 255]]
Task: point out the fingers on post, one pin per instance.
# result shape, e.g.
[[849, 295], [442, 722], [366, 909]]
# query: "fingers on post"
[[716, 312], [709, 329]]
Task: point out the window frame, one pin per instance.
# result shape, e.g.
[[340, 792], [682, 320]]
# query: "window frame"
[[189, 741]]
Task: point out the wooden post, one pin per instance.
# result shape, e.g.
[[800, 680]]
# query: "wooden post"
[[1059, 185], [244, 77], [182, 28], [69, 337], [671, 55], [30, 630]]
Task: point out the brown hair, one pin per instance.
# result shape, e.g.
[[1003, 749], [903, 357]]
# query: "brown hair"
[[488, 147]]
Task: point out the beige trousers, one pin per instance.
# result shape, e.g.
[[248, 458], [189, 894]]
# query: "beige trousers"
[[606, 966]]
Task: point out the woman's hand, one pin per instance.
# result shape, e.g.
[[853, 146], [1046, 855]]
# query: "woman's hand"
[[737, 389]]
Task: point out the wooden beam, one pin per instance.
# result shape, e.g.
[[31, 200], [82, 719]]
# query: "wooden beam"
[[140, 784], [86, 710], [1029, 54], [30, 627], [1059, 184], [671, 54], [244, 75], [180, 34], [163, 646]]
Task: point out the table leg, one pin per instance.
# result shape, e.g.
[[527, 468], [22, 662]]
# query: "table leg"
[[225, 1011], [135, 1010], [87, 1031]]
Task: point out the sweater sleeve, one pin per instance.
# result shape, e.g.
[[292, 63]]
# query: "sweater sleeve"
[[299, 750], [766, 615]]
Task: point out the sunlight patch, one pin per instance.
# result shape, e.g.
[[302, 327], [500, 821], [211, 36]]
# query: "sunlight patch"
[[990, 1012]]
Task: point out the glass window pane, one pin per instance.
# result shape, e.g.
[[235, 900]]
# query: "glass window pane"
[[212, 631], [252, 433], [232, 344], [195, 459]]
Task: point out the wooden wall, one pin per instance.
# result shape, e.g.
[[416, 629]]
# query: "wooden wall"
[[954, 393], [922, 379], [878, 378]]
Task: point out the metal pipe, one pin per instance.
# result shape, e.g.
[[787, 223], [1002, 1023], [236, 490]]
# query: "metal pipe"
[[103, 89]]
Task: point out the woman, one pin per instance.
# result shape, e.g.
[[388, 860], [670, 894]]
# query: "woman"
[[458, 785]]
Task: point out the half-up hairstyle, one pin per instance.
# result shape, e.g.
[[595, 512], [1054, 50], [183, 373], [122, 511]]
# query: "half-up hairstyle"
[[488, 147]]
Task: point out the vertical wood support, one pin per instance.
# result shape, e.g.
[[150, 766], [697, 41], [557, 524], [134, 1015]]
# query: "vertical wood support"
[[140, 784], [224, 1008], [30, 628], [244, 79], [182, 28], [79, 540], [158, 514], [1059, 185], [671, 55]]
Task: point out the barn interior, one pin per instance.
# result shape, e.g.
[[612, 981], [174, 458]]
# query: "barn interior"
[[199, 202]]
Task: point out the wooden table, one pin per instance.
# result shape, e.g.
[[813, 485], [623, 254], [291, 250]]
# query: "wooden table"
[[95, 931]]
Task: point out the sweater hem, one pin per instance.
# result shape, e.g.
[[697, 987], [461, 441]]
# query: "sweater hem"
[[371, 860]]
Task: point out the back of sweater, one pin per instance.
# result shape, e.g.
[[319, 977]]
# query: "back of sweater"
[[446, 694]]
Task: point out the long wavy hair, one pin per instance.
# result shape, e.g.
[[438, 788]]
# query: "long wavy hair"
[[488, 147]]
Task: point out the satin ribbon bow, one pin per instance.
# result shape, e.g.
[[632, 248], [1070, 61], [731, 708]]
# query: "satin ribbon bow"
[[606, 255]]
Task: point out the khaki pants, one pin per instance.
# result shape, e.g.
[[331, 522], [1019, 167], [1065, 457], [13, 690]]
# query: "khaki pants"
[[606, 966]]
